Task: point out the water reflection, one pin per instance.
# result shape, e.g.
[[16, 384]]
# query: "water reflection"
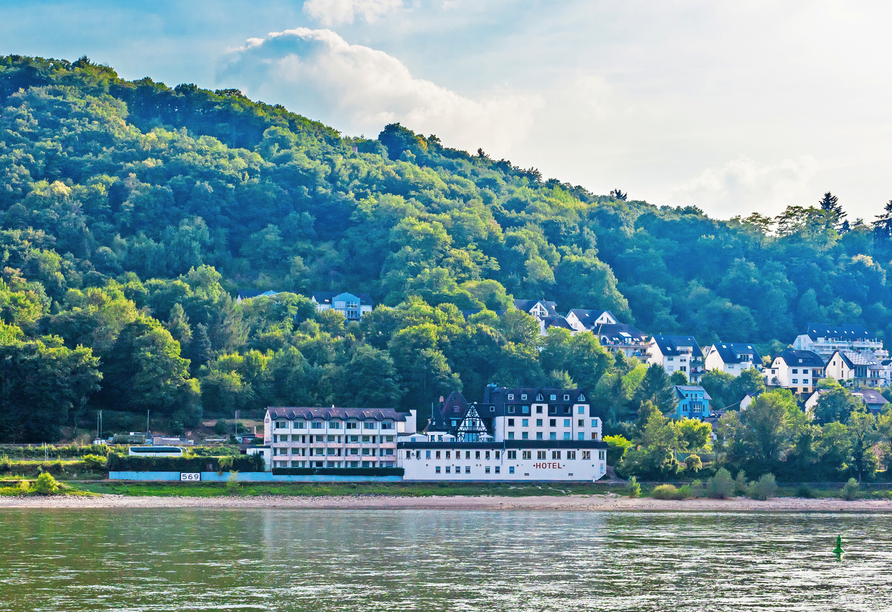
[[440, 560]]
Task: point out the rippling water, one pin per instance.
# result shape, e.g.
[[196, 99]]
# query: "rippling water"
[[440, 560]]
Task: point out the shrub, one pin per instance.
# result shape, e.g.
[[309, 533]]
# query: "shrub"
[[720, 486], [693, 463], [46, 484], [232, 484], [849, 490], [804, 491], [685, 492], [94, 462], [24, 486], [242, 463], [763, 488], [741, 487], [220, 428], [666, 491], [633, 489], [5, 464]]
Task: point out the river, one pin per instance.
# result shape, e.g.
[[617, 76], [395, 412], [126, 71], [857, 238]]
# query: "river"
[[136, 560]]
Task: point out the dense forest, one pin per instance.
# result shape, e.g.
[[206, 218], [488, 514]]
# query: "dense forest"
[[132, 212]]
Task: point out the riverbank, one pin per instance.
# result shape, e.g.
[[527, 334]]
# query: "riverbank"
[[571, 503]]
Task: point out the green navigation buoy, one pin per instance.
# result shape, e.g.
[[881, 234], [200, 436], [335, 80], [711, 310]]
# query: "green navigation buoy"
[[838, 550]]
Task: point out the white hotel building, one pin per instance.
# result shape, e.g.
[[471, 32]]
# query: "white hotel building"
[[513, 435]]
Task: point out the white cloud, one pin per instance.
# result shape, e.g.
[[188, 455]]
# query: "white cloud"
[[333, 12], [743, 186], [359, 90]]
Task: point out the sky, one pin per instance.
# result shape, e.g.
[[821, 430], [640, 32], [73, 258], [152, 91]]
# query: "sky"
[[734, 107]]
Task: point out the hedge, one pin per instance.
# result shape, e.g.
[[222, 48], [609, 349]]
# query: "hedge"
[[366, 471], [128, 463]]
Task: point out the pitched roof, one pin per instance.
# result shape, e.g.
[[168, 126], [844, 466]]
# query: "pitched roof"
[[245, 294], [841, 332], [619, 332], [527, 306], [680, 390], [735, 352], [557, 321], [325, 297], [672, 345], [362, 414], [871, 397], [853, 358], [588, 317], [801, 358]]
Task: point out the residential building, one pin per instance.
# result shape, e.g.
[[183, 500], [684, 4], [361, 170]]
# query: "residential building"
[[732, 358], [586, 320], [796, 370], [677, 354], [692, 402], [351, 305], [824, 339], [248, 294], [335, 437], [622, 337], [873, 399], [537, 308], [854, 369]]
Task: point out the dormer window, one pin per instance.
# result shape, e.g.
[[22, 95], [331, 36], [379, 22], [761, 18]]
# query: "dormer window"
[[566, 397], [581, 397], [523, 396], [539, 397], [510, 396], [553, 397]]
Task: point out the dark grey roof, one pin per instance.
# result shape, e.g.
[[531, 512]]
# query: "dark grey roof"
[[527, 305], [671, 345], [871, 397], [735, 352], [855, 358], [619, 333], [842, 332], [807, 359], [557, 321], [681, 389], [362, 414], [325, 297], [588, 317]]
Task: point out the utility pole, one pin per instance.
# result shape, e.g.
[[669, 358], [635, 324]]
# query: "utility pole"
[[148, 412]]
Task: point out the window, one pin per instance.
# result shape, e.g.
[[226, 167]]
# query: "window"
[[281, 424], [553, 397], [552, 435], [566, 397], [581, 397], [448, 469], [334, 424], [538, 409], [566, 435], [486, 470], [510, 469], [556, 454], [795, 381], [524, 409], [539, 435], [510, 396], [601, 455], [540, 454], [511, 455], [316, 425], [510, 422], [580, 410], [299, 425], [571, 454], [527, 454], [594, 422], [510, 409], [467, 455], [467, 469], [552, 422], [525, 435], [586, 455], [487, 455], [580, 436], [580, 423], [540, 397], [333, 438], [510, 435], [387, 425], [566, 422], [448, 454], [427, 455], [369, 425], [523, 396], [438, 454], [498, 455], [795, 371], [538, 422], [525, 422], [477, 454], [492, 408], [352, 425]]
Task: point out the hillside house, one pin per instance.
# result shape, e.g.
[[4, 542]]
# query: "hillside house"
[[732, 358], [622, 337], [798, 371], [854, 369], [824, 339], [351, 305], [677, 354], [587, 320], [691, 402]]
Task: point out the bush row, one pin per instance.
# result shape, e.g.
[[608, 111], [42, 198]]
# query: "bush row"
[[70, 451], [367, 471], [242, 463]]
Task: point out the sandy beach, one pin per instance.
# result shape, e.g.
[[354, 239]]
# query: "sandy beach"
[[576, 503]]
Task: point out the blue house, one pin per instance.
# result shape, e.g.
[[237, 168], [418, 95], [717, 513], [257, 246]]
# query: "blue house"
[[691, 402]]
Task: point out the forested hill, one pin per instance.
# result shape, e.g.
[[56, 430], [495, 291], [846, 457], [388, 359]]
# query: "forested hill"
[[118, 198]]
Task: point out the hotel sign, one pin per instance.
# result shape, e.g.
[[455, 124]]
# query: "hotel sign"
[[548, 466]]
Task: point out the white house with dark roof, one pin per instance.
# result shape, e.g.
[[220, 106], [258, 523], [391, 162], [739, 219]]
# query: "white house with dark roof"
[[335, 437], [622, 337], [351, 305], [732, 357], [824, 339], [581, 319], [854, 369], [798, 371], [677, 354]]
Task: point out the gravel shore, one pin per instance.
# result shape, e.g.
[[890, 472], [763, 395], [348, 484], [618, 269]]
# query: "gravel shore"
[[578, 503]]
